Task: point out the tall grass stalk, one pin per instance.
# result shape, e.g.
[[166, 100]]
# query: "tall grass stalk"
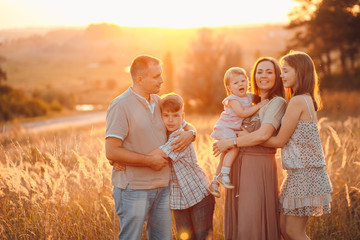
[[56, 185]]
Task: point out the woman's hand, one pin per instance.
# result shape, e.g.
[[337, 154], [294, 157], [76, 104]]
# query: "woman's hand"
[[222, 145], [185, 139], [242, 132]]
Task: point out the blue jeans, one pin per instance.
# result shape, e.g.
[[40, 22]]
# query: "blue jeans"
[[134, 207], [196, 221]]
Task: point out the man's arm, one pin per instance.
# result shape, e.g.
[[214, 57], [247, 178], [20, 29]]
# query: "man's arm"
[[186, 138], [116, 153]]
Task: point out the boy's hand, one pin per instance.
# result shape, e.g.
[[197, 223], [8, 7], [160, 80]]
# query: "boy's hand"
[[119, 167], [185, 139]]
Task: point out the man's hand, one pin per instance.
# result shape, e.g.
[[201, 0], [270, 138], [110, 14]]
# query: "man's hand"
[[185, 139], [158, 162]]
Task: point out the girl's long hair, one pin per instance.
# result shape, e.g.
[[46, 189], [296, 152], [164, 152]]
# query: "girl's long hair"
[[306, 76]]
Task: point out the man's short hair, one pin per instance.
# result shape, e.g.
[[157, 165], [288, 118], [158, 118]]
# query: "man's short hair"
[[141, 63], [171, 102]]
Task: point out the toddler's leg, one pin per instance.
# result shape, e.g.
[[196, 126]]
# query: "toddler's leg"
[[225, 170], [214, 187], [229, 157], [220, 164]]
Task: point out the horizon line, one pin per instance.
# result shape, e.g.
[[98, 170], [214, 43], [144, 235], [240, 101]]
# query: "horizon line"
[[127, 26]]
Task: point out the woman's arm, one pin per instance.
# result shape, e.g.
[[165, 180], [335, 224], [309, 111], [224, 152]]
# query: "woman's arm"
[[290, 120], [269, 123], [245, 112], [252, 139]]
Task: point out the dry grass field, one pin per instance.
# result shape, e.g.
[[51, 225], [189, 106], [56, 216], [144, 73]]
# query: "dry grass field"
[[56, 185]]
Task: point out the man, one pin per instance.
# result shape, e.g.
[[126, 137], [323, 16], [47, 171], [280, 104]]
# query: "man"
[[133, 129]]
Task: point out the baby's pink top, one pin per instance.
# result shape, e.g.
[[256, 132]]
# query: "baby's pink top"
[[229, 119]]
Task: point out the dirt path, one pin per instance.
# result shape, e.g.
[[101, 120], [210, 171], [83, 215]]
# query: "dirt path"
[[58, 123]]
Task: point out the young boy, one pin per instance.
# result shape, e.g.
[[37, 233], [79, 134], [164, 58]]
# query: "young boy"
[[190, 201]]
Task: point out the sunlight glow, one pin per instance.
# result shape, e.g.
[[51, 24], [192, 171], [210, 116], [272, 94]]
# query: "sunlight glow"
[[144, 13], [184, 236], [127, 69]]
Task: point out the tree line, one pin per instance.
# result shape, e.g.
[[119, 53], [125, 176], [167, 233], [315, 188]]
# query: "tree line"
[[328, 30], [332, 32], [15, 103]]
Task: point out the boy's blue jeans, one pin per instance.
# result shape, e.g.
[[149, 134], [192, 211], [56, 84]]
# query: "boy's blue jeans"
[[196, 221], [134, 207]]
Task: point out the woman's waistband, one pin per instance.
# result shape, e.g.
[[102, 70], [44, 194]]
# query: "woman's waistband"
[[257, 150]]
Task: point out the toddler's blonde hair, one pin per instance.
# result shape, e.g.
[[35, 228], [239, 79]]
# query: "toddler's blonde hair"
[[233, 71]]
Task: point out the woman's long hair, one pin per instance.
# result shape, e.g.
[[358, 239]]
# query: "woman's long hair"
[[278, 88]]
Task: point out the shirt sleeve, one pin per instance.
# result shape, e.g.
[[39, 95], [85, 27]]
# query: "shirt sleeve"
[[273, 112], [226, 101], [116, 122], [166, 148]]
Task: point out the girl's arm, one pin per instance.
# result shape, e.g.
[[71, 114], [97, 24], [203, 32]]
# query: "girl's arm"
[[290, 120], [252, 139], [245, 112]]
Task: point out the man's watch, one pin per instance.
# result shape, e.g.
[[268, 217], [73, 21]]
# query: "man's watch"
[[194, 133]]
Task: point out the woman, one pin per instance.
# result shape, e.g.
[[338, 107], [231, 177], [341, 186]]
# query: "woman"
[[251, 208]]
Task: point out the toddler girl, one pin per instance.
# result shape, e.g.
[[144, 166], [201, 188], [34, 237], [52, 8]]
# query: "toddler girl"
[[237, 106]]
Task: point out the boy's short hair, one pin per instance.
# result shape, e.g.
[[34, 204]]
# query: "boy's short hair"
[[171, 102]]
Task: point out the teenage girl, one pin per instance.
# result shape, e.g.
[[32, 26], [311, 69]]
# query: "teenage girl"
[[306, 189]]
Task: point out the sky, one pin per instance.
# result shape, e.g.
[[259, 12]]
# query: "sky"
[[144, 13]]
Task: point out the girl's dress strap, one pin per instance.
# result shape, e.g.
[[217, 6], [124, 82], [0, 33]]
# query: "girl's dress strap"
[[308, 108]]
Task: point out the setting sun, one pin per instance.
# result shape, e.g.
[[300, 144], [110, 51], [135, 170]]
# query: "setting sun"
[[158, 13]]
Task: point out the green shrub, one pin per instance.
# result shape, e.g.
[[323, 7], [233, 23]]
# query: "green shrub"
[[51, 95], [35, 107], [15, 103], [56, 106]]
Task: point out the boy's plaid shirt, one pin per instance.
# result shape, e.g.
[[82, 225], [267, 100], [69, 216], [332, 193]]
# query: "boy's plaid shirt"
[[188, 182]]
